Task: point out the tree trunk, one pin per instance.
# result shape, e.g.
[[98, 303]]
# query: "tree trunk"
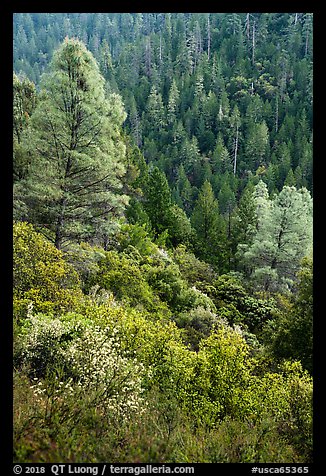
[[253, 42], [236, 151], [60, 224], [208, 37]]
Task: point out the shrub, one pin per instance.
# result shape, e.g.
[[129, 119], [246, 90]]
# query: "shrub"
[[135, 236], [236, 441], [235, 304], [122, 276], [222, 371], [192, 269], [40, 274], [43, 341], [198, 324], [292, 337], [87, 358]]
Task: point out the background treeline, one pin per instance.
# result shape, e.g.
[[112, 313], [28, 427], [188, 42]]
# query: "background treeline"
[[163, 237], [198, 89]]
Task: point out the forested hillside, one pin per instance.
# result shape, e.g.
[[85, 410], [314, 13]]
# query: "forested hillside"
[[163, 237]]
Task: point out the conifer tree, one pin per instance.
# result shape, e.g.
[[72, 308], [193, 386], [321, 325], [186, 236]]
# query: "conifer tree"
[[257, 144], [173, 103], [244, 221], [208, 226], [75, 178], [235, 122], [157, 199], [184, 188], [282, 239], [24, 103], [155, 110]]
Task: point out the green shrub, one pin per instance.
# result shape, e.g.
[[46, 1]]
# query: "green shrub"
[[192, 269], [41, 275], [235, 441], [222, 371], [43, 341], [123, 276], [235, 304]]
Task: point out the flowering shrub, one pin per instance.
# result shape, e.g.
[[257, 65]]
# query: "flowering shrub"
[[97, 363], [43, 342], [89, 359]]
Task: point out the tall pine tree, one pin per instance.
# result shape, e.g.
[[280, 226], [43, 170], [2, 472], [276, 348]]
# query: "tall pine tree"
[[73, 188]]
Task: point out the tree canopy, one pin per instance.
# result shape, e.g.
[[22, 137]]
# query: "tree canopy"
[[163, 232]]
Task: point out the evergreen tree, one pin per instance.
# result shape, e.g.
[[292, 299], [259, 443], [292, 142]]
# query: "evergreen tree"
[[283, 237], [179, 227], [235, 122], [257, 145], [185, 189], [155, 110], [221, 157], [75, 178], [293, 339], [208, 226], [244, 221], [24, 103], [158, 199], [173, 103]]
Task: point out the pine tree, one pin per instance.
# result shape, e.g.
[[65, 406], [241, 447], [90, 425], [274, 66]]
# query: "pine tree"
[[244, 221], [221, 157], [24, 102], [257, 145], [155, 110], [290, 179], [185, 189], [135, 123], [75, 178], [282, 239]]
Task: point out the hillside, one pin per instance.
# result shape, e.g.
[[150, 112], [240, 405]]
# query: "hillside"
[[163, 237]]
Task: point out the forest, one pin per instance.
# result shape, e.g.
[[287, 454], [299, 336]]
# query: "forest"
[[163, 237]]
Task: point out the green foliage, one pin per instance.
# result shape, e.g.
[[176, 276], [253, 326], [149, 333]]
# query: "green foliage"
[[24, 103], [161, 433], [222, 372], [282, 238], [292, 338], [41, 276], [194, 271], [208, 225], [77, 147], [239, 307], [158, 199], [198, 323], [135, 237], [165, 279], [128, 345], [122, 276], [215, 385], [43, 343], [178, 226]]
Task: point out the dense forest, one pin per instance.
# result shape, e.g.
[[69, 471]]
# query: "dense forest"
[[163, 237]]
